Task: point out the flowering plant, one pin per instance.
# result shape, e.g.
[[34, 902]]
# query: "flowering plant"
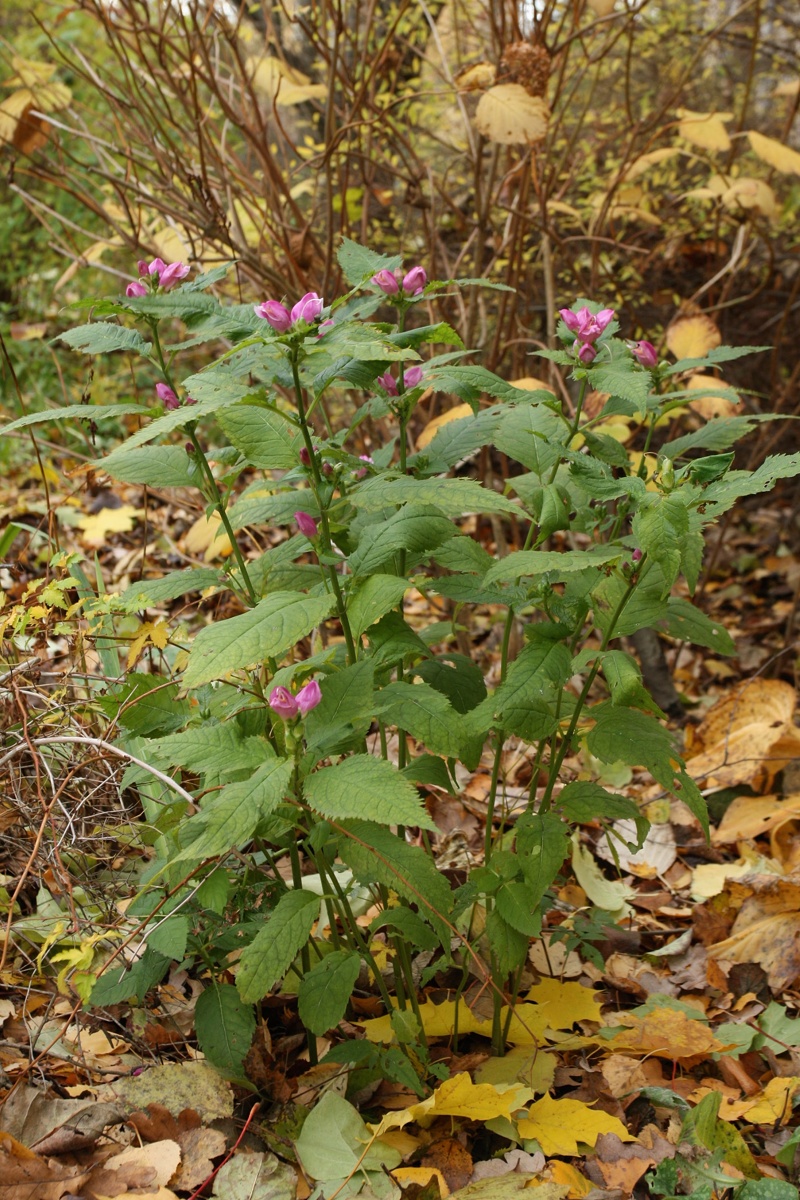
[[336, 771]]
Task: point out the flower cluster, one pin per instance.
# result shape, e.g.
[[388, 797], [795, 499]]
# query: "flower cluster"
[[411, 377], [160, 276], [587, 327], [282, 702], [390, 283], [306, 311]]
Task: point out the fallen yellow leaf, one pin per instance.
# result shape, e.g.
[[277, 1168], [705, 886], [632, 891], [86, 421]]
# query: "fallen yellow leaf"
[[724, 402], [559, 1125], [207, 537], [421, 1176], [747, 737], [692, 336], [666, 1033], [432, 428], [97, 526]]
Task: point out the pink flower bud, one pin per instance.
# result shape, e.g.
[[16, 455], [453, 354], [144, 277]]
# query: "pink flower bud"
[[308, 697], [412, 376], [586, 352], [308, 308], [327, 469], [156, 267], [135, 289], [189, 448], [275, 314], [388, 382], [166, 394], [637, 555], [324, 327], [645, 353], [387, 282], [283, 703], [366, 458], [305, 457], [414, 281], [171, 274], [306, 524], [143, 268], [189, 401]]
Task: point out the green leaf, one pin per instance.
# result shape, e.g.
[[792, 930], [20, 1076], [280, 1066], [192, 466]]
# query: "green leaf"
[[424, 713], [266, 439], [121, 983], [524, 703], [417, 530], [453, 497], [513, 900], [533, 435], [346, 710], [150, 592], [362, 786], [542, 845], [582, 802], [624, 679], [375, 855], [224, 1026], [360, 264], [169, 937], [768, 1189], [183, 303], [101, 337], [623, 378], [427, 768], [689, 624], [659, 527], [230, 819], [324, 992], [158, 466], [717, 355], [210, 749], [332, 1142], [455, 676], [213, 389], [371, 599], [255, 1176], [277, 943], [719, 433], [77, 412], [268, 631], [392, 639], [469, 383], [554, 563], [509, 946], [464, 554], [457, 440], [723, 493]]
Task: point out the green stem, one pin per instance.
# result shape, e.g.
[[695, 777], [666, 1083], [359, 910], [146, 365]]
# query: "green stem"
[[317, 483], [305, 957], [209, 474], [555, 766], [576, 420]]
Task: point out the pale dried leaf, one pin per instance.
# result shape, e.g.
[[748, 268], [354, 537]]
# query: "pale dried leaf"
[[781, 157], [692, 336], [509, 115], [723, 404], [752, 194], [706, 130]]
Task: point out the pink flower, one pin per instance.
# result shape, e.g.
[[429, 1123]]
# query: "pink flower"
[[275, 314], [637, 555], [166, 394], [306, 524], [387, 282], [143, 268], [283, 703], [324, 327], [305, 457], [169, 276], [414, 281], [586, 326], [645, 353], [308, 308], [366, 458], [135, 289], [388, 382], [308, 697], [586, 352], [412, 376], [156, 267]]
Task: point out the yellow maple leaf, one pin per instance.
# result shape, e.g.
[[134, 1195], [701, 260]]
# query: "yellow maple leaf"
[[151, 633], [558, 1125], [772, 1105], [570, 1002], [565, 1173], [459, 1097], [96, 527], [421, 1176], [666, 1033]]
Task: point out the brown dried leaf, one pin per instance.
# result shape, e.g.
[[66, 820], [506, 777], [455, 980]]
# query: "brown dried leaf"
[[767, 928], [741, 733], [26, 1175]]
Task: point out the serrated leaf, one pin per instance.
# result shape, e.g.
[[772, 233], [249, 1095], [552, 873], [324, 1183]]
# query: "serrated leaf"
[[224, 1026], [326, 989], [688, 623], [417, 530], [102, 337], [362, 786], [541, 562], [453, 497], [77, 412], [267, 631], [509, 946], [277, 943], [158, 466], [359, 263], [424, 713], [513, 900], [265, 439], [723, 493], [346, 709], [373, 598], [533, 435], [376, 855], [542, 845], [582, 802], [177, 583], [230, 820]]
